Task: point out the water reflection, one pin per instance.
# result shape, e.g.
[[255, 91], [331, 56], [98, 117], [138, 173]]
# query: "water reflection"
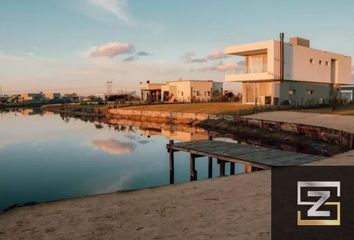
[[114, 147], [173, 132], [46, 157]]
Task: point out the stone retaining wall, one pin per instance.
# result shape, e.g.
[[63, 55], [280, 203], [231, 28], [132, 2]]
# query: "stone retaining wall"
[[325, 134]]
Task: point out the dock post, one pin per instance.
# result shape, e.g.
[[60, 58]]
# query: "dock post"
[[193, 172], [210, 167], [248, 168], [222, 168], [232, 168], [172, 163]]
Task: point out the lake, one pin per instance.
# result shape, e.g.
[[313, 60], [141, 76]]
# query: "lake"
[[45, 157]]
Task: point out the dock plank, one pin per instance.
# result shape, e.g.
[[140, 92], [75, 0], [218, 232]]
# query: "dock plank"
[[254, 155]]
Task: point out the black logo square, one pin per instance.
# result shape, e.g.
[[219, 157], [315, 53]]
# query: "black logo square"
[[313, 202]]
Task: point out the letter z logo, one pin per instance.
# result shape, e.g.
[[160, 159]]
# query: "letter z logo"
[[313, 213]]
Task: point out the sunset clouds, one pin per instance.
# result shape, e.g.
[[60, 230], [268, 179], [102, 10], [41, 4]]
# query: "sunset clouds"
[[216, 54], [221, 67], [112, 49]]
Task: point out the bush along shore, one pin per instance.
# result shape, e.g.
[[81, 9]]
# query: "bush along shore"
[[78, 109]]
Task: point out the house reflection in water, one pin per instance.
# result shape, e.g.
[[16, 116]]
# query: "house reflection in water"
[[173, 132], [178, 135]]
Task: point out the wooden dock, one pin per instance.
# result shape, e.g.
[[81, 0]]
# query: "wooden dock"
[[252, 156]]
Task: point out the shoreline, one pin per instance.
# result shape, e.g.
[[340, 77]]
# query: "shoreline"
[[232, 207]]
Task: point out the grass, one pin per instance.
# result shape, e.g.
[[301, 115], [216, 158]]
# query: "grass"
[[214, 108]]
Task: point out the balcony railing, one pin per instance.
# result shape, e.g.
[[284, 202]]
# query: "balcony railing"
[[248, 69]]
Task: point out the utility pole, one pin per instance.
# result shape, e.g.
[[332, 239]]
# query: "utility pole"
[[281, 58], [109, 87]]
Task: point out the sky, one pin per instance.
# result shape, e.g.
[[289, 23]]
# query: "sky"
[[79, 45]]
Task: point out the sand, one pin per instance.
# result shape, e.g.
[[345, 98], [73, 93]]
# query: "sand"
[[236, 207]]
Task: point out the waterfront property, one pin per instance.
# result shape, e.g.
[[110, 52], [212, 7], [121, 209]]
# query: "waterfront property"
[[40, 97], [52, 96], [278, 72], [181, 91], [33, 97]]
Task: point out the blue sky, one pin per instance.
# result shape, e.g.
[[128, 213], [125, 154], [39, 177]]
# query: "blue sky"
[[79, 45]]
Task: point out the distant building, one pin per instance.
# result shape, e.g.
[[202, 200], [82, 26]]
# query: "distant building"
[[181, 91], [32, 97], [52, 96], [347, 93], [71, 97], [309, 74]]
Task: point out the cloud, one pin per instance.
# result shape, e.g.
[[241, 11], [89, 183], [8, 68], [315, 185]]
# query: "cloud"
[[88, 75], [199, 60], [189, 57], [112, 49], [114, 147], [221, 67], [118, 8], [217, 54], [143, 53], [136, 56], [131, 59]]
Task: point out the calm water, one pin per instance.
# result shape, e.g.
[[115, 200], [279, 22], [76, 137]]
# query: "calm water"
[[44, 157]]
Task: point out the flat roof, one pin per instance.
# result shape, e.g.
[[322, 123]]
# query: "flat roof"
[[182, 80], [253, 48]]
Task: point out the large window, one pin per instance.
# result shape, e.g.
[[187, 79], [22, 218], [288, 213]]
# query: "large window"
[[256, 63]]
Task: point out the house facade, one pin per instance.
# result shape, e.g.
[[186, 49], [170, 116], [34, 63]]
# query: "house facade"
[[52, 96], [292, 74], [181, 91], [347, 94]]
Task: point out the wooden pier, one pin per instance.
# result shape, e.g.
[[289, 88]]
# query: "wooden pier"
[[253, 157]]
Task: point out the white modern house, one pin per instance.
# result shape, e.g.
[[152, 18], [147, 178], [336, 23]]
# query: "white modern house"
[[181, 91], [278, 72]]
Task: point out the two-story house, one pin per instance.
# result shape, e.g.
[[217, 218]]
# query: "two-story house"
[[278, 72]]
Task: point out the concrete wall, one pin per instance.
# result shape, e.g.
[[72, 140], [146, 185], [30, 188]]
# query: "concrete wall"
[[321, 93], [299, 68], [155, 117]]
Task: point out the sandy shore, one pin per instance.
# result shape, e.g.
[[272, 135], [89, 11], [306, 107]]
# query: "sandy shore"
[[236, 207]]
